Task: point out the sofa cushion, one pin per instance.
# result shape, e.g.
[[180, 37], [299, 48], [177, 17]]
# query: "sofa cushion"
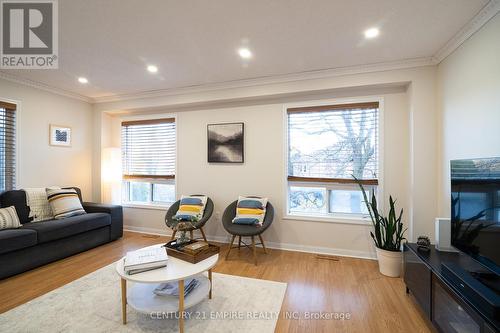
[[16, 239], [191, 208], [77, 190], [9, 218], [16, 198], [56, 229], [250, 211], [36, 198], [64, 203]]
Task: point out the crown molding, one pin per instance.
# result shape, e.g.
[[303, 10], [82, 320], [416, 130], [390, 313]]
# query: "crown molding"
[[276, 79], [45, 87], [260, 81], [478, 21]]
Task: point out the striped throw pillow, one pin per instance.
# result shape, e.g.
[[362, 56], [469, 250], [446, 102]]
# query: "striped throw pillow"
[[250, 210], [191, 207], [64, 203], [9, 218]]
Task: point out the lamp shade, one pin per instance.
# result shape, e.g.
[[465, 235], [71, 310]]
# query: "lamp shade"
[[111, 170], [111, 175]]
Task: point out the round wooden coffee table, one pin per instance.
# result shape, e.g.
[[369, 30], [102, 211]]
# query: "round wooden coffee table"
[[140, 295]]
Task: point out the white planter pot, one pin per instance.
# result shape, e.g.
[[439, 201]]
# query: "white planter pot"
[[389, 262]]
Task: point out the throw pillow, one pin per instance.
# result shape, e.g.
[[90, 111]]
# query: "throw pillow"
[[64, 203], [250, 210], [17, 198], [36, 199], [9, 218], [191, 206]]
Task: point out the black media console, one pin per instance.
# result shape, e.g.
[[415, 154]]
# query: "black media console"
[[442, 299]]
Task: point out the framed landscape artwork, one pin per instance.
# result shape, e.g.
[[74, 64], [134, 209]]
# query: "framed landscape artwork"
[[60, 136], [225, 143]]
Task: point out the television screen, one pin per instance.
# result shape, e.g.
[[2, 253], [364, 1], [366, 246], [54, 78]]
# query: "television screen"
[[475, 209]]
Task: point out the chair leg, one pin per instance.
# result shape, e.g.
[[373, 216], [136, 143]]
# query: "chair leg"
[[264, 246], [254, 251], [203, 235], [239, 242], [230, 246], [173, 235], [191, 234]]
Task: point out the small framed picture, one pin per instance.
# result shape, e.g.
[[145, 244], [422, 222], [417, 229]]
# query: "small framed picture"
[[60, 136], [225, 143]]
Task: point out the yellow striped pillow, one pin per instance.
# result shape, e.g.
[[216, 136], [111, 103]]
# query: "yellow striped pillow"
[[250, 210], [191, 207]]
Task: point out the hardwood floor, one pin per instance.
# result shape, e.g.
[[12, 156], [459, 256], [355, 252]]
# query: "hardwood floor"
[[316, 286]]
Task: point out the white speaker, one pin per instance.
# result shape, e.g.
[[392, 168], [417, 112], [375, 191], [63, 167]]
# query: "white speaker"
[[443, 235]]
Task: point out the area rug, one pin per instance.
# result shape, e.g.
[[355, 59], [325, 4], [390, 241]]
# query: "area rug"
[[93, 304]]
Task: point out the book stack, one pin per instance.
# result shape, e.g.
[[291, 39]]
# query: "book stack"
[[145, 260], [172, 288], [195, 247]]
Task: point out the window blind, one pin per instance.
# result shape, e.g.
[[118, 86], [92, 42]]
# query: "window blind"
[[148, 149], [333, 142], [7, 146]]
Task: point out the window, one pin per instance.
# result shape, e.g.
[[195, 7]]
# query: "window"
[[148, 161], [327, 145], [7, 146]]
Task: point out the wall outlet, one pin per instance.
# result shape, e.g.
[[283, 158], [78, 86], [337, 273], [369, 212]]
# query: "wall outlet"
[[217, 216]]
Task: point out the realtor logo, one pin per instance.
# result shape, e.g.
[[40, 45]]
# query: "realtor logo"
[[29, 34]]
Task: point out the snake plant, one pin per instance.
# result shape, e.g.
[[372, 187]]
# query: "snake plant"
[[388, 230]]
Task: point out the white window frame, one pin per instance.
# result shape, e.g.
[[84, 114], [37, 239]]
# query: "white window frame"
[[126, 187], [151, 204], [360, 219]]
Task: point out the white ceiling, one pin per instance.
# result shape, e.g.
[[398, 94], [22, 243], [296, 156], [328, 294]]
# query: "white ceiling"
[[195, 42]]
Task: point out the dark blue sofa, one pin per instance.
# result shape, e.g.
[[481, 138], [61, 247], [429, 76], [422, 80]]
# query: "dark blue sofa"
[[38, 243]]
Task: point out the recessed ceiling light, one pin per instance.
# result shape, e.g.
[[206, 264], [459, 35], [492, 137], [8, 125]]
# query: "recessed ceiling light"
[[152, 69], [83, 80], [245, 53], [371, 33]]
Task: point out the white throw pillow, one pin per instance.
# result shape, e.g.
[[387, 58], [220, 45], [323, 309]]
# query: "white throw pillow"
[[36, 199], [9, 218]]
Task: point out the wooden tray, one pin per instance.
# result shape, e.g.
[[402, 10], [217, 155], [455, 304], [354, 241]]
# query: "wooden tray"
[[190, 257]]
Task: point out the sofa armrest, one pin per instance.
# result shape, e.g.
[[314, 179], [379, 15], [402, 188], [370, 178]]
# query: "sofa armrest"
[[116, 213]]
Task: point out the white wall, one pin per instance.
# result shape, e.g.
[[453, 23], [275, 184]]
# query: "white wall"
[[38, 163], [263, 173], [409, 154], [469, 103]]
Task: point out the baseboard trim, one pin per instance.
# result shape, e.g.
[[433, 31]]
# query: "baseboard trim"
[[322, 250], [271, 245], [148, 231]]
